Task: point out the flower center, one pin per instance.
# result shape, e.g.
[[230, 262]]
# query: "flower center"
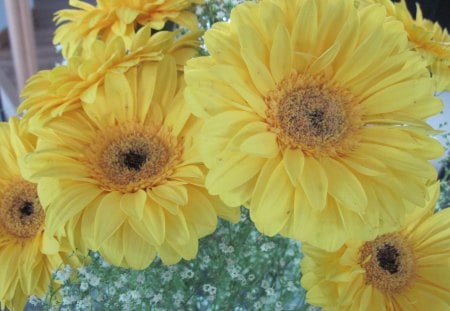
[[21, 214], [313, 114], [134, 160], [389, 263], [132, 157]]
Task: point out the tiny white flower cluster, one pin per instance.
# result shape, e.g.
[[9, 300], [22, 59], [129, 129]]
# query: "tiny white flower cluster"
[[187, 274], [209, 289], [63, 274], [212, 11], [226, 249], [268, 246], [178, 298]]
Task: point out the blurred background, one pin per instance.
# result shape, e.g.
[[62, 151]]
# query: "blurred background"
[[26, 32]]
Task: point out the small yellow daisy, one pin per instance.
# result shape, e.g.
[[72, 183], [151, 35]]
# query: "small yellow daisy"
[[79, 28], [430, 39], [50, 93], [406, 269], [28, 253]]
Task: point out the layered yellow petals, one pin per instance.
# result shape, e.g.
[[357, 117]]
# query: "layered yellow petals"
[[79, 28], [314, 110], [131, 183], [50, 93], [430, 39], [342, 279]]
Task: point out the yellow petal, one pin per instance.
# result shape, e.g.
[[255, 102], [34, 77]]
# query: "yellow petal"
[[112, 250], [154, 222], [145, 91], [305, 28], [262, 145], [177, 231], [237, 170], [344, 186], [293, 160], [72, 200], [275, 206], [281, 54], [133, 204], [137, 252], [172, 192], [168, 255], [119, 96], [315, 183], [398, 96], [187, 250], [109, 217], [200, 211]]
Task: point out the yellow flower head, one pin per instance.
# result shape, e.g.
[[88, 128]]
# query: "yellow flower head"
[[50, 93], [81, 27], [430, 39], [123, 175], [313, 117], [28, 254], [407, 269]]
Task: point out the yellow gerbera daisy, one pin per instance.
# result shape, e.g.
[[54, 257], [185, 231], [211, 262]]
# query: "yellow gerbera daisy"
[[427, 37], [79, 28], [407, 269], [123, 175], [314, 118], [28, 254], [49, 93]]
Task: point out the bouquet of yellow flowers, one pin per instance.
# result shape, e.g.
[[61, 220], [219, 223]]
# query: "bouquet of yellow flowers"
[[309, 114]]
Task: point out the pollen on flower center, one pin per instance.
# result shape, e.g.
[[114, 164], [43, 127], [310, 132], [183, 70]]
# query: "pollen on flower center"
[[312, 114], [388, 262], [21, 214], [131, 157]]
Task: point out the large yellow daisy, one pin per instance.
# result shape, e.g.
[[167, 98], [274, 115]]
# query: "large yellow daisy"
[[79, 28], [407, 269], [429, 38], [50, 93], [314, 118], [123, 174], [28, 254]]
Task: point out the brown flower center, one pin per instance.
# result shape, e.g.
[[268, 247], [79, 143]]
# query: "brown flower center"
[[131, 157], [389, 263], [21, 214], [313, 114]]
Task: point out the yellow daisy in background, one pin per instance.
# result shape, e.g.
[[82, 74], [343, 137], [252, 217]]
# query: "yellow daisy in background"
[[79, 28], [50, 93], [313, 117], [123, 175], [407, 269], [429, 38], [28, 254]]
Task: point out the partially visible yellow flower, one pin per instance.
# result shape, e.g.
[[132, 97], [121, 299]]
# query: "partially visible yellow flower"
[[314, 118], [429, 38], [28, 254], [407, 269], [50, 93], [123, 174], [79, 28]]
